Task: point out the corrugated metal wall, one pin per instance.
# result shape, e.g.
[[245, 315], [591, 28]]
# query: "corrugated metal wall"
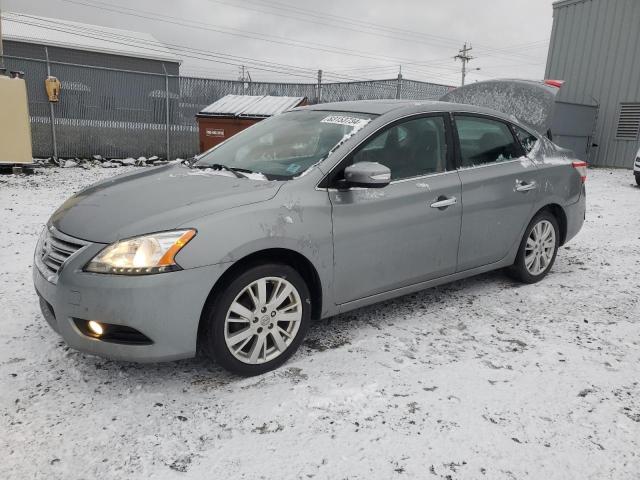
[[595, 48]]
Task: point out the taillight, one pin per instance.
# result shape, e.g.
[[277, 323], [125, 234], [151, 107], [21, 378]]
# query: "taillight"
[[554, 83], [581, 167]]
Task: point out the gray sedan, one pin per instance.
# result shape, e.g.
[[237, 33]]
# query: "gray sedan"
[[305, 215]]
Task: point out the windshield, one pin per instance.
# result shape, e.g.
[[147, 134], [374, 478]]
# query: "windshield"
[[286, 145]]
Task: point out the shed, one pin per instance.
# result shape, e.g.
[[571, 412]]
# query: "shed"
[[233, 113], [26, 36]]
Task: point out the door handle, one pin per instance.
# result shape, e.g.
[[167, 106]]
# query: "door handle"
[[443, 202], [524, 186]]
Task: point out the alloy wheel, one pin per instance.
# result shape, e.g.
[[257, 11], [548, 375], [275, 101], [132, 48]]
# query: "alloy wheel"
[[263, 320], [540, 247]]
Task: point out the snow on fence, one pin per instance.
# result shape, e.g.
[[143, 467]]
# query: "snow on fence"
[[121, 113]]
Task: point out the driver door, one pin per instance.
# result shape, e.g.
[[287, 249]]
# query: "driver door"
[[396, 236]]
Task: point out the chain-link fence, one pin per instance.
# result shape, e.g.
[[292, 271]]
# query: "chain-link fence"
[[120, 113]]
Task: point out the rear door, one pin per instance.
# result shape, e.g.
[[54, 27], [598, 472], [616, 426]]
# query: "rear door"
[[398, 235], [499, 188]]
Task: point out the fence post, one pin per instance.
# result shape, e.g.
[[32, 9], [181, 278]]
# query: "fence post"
[[319, 87], [52, 115], [166, 93], [399, 86], [1, 46]]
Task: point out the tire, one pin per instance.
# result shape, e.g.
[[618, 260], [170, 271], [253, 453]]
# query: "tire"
[[271, 327], [545, 226], [637, 175]]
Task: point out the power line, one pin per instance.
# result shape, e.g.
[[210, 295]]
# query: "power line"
[[241, 33], [334, 21], [238, 61], [138, 41], [264, 66], [252, 35], [87, 32]]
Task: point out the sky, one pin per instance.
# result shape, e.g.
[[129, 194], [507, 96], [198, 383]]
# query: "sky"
[[287, 40]]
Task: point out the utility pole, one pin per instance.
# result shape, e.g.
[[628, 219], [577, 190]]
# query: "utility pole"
[[399, 84], [167, 113], [464, 57], [245, 78], [319, 87], [250, 82]]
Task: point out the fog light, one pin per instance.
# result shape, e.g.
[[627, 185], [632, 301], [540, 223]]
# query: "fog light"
[[95, 327]]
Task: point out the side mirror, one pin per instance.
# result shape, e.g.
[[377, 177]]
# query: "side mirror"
[[367, 175]]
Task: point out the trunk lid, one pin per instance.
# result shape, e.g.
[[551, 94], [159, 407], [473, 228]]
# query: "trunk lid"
[[531, 102]]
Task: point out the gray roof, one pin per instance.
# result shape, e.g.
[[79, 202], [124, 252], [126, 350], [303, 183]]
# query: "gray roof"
[[250, 106], [55, 32]]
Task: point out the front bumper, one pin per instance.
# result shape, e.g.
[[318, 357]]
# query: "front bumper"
[[165, 307], [636, 166]]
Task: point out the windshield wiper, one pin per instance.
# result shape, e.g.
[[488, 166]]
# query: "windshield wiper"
[[242, 170], [219, 166]]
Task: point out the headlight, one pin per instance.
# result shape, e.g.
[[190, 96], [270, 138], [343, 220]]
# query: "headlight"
[[148, 254]]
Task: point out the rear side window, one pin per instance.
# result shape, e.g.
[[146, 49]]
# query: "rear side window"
[[527, 140], [483, 141]]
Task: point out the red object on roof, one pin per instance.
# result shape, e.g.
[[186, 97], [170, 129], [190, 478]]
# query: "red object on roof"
[[554, 83]]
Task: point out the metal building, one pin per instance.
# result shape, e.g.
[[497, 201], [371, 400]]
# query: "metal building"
[[26, 36], [595, 49]]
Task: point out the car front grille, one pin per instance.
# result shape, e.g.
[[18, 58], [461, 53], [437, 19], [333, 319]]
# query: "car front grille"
[[54, 249]]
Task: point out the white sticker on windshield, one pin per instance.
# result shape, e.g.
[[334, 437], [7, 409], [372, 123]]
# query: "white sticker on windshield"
[[354, 122]]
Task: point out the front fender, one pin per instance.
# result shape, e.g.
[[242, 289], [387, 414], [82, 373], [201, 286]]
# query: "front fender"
[[291, 220]]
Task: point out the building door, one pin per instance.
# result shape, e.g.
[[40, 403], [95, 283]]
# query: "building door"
[[573, 127]]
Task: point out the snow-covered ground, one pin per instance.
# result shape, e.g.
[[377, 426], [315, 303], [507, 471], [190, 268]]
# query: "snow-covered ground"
[[481, 378]]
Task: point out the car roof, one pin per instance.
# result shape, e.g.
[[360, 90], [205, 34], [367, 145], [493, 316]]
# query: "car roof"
[[381, 107]]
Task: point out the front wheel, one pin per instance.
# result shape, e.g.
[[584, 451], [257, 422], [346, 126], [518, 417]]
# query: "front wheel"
[[259, 320], [638, 178], [538, 249]]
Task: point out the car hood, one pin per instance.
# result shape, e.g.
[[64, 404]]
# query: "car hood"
[[154, 200]]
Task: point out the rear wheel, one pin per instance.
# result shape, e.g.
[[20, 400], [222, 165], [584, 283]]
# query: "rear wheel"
[[259, 320], [538, 249]]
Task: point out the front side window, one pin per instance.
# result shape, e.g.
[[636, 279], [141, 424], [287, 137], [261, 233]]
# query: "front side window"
[[284, 146], [483, 141], [527, 140], [409, 149]]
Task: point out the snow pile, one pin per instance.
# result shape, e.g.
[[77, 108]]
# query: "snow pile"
[[482, 378], [100, 161]]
